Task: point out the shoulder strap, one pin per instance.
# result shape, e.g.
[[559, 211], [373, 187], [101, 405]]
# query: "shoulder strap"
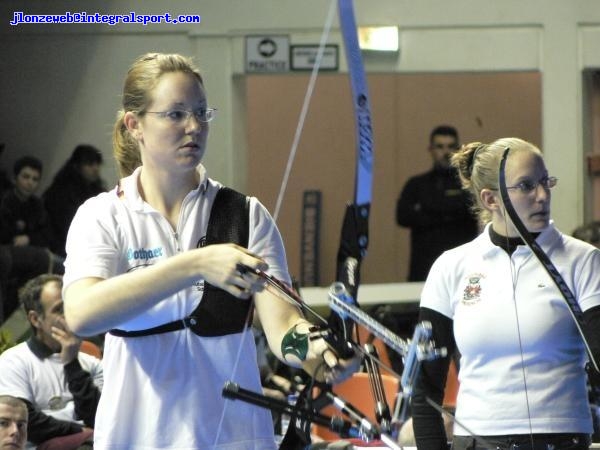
[[219, 313], [229, 218]]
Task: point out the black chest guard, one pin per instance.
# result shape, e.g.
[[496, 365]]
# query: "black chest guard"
[[219, 313]]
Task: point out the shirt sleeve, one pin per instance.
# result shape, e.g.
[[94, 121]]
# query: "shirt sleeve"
[[588, 282], [86, 394], [265, 241], [14, 380], [436, 290], [92, 247], [428, 424], [41, 427]]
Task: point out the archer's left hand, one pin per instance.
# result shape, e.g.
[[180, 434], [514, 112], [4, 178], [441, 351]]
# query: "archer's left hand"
[[304, 344]]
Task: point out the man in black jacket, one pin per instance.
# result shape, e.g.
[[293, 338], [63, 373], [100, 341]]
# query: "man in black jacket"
[[60, 385], [434, 206]]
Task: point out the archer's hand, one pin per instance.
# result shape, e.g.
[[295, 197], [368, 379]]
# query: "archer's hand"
[[223, 267], [69, 343], [324, 365], [304, 344]]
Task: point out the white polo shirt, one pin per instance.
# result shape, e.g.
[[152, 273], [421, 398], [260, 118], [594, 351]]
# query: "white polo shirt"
[[164, 391], [513, 329], [42, 381]]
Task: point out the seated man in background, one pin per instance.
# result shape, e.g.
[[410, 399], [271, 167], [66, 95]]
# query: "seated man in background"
[[60, 385], [13, 423]]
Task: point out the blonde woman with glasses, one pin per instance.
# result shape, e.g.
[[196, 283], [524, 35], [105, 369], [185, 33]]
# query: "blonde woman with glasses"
[[170, 275], [522, 366]]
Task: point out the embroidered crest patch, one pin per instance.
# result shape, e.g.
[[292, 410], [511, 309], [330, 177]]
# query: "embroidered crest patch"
[[472, 292], [56, 403]]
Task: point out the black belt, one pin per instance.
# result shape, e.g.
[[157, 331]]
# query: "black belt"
[[545, 441]]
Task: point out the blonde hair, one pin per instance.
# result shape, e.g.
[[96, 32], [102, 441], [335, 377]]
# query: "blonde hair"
[[141, 79], [14, 402], [478, 165]]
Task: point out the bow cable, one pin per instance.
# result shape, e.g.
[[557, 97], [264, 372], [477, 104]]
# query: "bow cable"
[[544, 260], [303, 113]]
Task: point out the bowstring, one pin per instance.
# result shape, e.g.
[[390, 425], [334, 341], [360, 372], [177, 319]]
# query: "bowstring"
[[235, 366], [514, 276], [304, 111], [291, 157]]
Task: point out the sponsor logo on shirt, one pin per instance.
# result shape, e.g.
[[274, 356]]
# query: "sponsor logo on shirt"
[[472, 292], [144, 254]]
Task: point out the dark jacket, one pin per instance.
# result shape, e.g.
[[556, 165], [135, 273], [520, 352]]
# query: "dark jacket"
[[437, 211], [63, 197], [24, 217]]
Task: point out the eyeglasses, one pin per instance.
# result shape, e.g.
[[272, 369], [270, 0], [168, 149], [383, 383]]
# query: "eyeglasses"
[[528, 186], [179, 116]]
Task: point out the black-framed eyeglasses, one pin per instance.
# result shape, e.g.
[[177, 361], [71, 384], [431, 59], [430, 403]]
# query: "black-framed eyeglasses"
[[529, 186], [183, 115]]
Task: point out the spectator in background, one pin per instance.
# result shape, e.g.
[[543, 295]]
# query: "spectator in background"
[[4, 180], [434, 206], [13, 423], [78, 180], [590, 232], [23, 217], [25, 234], [60, 384]]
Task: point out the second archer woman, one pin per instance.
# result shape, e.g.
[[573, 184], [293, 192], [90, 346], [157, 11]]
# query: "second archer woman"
[[522, 365]]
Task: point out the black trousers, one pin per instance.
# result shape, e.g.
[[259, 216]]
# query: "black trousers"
[[558, 441]]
